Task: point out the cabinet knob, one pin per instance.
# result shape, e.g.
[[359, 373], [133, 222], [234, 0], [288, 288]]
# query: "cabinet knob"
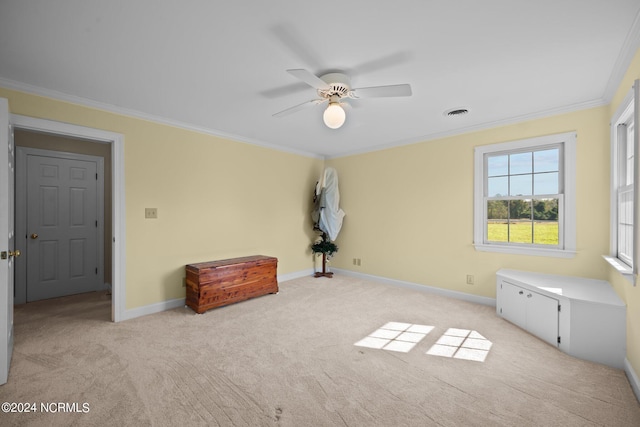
[[521, 292], [34, 236], [529, 296]]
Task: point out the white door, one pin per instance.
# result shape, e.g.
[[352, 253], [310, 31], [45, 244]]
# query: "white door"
[[62, 227], [542, 317], [7, 240], [511, 303]]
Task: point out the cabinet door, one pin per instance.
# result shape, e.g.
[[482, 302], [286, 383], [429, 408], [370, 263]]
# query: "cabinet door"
[[511, 303], [542, 317]]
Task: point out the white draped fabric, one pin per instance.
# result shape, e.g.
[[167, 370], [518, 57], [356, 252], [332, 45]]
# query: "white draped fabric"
[[331, 215]]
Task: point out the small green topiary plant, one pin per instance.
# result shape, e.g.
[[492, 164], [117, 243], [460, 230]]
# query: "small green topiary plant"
[[327, 248]]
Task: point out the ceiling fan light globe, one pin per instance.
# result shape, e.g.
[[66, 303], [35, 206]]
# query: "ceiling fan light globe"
[[334, 116]]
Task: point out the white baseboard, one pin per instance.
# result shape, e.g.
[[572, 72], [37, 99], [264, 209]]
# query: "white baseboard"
[[633, 378], [153, 308], [295, 275], [180, 302], [425, 288]]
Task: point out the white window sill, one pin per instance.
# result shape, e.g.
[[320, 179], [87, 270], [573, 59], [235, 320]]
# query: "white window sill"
[[621, 267], [521, 250]]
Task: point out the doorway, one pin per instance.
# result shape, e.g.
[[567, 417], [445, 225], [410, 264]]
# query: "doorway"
[[60, 211], [114, 220]]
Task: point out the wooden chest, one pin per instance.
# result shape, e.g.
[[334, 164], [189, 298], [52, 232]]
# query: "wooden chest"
[[217, 283]]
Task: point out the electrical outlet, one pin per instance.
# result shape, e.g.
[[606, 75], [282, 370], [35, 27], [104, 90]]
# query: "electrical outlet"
[[151, 213], [355, 261], [469, 279], [358, 261]]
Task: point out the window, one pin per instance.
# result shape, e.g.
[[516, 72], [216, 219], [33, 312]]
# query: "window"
[[524, 196], [623, 177]]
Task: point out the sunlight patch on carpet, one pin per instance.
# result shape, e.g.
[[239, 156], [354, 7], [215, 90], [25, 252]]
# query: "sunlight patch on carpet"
[[461, 344], [395, 336]]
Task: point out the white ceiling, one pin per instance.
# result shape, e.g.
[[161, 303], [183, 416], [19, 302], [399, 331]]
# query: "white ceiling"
[[219, 66]]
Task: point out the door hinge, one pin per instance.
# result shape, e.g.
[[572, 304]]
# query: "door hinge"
[[96, 177], [559, 308], [96, 270], [500, 311], [96, 222], [559, 340]]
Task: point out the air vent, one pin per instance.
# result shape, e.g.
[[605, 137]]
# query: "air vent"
[[456, 112]]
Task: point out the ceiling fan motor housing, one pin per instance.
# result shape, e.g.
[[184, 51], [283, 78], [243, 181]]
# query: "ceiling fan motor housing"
[[339, 85]]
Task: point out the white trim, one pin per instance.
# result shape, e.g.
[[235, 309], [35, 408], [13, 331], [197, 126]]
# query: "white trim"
[[118, 299], [295, 275], [153, 308], [632, 377], [625, 105], [568, 219], [35, 90], [476, 128], [60, 96], [627, 52], [418, 287], [522, 250], [180, 302], [623, 114]]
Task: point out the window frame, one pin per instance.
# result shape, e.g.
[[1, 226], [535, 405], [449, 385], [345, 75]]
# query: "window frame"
[[626, 113], [566, 203]]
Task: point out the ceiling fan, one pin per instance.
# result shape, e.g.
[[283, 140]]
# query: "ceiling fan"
[[333, 88]]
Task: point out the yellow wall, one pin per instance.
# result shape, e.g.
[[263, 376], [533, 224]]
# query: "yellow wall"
[[630, 294], [216, 198], [410, 209]]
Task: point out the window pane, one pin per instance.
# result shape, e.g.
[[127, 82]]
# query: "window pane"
[[497, 165], [545, 183], [520, 185], [520, 163], [519, 209], [498, 186], [625, 225], [545, 209], [545, 226], [629, 155], [546, 160], [520, 232], [545, 232], [497, 220]]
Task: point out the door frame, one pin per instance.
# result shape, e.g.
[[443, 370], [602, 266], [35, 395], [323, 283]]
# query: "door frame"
[[22, 209], [116, 141], [6, 235]]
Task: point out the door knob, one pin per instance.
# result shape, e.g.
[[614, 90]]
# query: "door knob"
[[34, 236], [15, 253]]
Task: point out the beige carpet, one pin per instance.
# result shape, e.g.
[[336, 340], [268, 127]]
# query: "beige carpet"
[[290, 360]]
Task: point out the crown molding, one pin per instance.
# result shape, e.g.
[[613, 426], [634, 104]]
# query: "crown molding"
[[627, 52], [85, 102], [479, 127]]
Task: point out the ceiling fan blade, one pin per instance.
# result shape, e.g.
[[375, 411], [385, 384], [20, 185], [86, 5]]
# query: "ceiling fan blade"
[[299, 107], [382, 91], [310, 79]]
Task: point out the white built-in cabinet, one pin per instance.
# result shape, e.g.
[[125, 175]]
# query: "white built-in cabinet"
[[582, 317]]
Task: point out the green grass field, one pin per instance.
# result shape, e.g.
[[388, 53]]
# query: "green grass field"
[[544, 233]]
